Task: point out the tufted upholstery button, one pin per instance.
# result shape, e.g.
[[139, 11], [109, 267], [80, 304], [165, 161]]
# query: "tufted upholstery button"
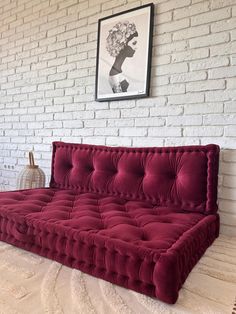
[[90, 168]]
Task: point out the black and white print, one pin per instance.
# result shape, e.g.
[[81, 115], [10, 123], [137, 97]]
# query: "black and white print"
[[124, 55]]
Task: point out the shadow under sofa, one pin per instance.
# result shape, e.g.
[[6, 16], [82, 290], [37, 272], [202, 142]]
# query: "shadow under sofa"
[[137, 217]]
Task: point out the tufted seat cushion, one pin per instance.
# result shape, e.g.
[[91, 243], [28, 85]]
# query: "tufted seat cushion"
[[138, 242]]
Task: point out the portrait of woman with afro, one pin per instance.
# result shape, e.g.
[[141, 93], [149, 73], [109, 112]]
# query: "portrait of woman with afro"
[[124, 54], [121, 44]]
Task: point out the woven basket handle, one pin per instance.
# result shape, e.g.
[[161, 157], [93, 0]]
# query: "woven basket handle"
[[31, 159]]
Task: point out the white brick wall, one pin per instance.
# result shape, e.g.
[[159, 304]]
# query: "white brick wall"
[[47, 75]]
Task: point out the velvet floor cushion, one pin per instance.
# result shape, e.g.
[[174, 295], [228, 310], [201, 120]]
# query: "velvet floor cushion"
[[133, 244], [139, 235]]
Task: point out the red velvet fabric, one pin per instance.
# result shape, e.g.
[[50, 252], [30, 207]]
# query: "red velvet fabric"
[[132, 224], [185, 177]]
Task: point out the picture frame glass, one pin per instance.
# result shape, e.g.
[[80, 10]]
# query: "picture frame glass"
[[124, 54]]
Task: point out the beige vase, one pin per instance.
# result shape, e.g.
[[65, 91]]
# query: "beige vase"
[[31, 176]]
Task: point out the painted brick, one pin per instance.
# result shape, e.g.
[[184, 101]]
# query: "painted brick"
[[94, 140], [229, 155], [230, 106], [106, 132], [164, 18], [165, 131], [219, 119], [217, 96], [228, 194], [170, 5], [159, 80], [118, 141], [203, 131], [82, 132], [161, 39], [148, 142], [188, 77], [122, 104], [77, 8], [168, 90], [133, 132], [204, 108], [233, 35], [32, 125], [112, 4], [205, 85], [159, 60], [83, 115], [223, 25], [230, 131], [191, 32], [57, 46], [149, 122], [60, 77], [107, 114], [54, 93], [211, 16], [100, 123], [89, 11], [171, 48], [56, 62], [209, 63], [171, 68], [120, 122], [212, 39], [227, 205], [151, 102], [233, 10], [96, 105], [173, 26], [216, 4], [129, 113], [184, 120], [63, 100], [69, 67], [72, 124], [223, 49], [181, 141], [190, 10], [166, 111], [222, 72], [191, 54], [189, 98]]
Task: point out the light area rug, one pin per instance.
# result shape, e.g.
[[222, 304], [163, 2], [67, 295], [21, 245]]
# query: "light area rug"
[[31, 284]]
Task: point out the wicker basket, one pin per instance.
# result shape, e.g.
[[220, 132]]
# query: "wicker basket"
[[31, 176]]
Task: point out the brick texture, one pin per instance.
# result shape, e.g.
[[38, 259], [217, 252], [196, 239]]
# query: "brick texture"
[[47, 75]]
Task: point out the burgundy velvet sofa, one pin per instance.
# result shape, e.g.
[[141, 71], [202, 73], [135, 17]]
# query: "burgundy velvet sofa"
[[138, 217]]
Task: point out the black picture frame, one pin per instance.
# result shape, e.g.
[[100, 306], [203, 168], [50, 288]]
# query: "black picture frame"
[[124, 53]]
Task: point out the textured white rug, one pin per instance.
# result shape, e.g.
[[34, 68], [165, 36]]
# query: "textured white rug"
[[31, 284]]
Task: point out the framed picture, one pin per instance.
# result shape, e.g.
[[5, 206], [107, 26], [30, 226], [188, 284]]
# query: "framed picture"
[[124, 54]]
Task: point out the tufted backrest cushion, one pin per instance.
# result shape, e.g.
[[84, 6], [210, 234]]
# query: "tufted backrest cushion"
[[183, 177]]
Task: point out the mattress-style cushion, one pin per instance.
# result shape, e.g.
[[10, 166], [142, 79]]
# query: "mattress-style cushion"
[[170, 176], [133, 243]]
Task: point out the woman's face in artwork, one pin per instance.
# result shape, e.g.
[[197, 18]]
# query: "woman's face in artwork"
[[131, 47]]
